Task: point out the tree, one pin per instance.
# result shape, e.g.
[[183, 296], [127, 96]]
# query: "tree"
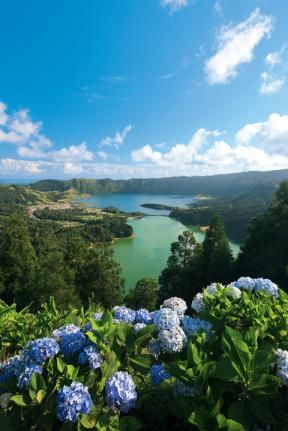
[[265, 251], [217, 254], [144, 295], [98, 276], [18, 262], [182, 276]]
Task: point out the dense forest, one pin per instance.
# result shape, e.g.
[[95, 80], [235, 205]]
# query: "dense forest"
[[216, 185]]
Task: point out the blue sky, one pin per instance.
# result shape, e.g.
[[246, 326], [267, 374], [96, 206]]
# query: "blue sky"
[[142, 88]]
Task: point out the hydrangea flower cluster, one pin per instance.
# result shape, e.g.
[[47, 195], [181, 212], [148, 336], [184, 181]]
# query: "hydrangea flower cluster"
[[234, 292], [26, 374], [90, 356], [282, 365], [39, 350], [138, 326], [213, 288], [165, 318], [257, 284], [72, 343], [175, 304], [98, 315], [193, 326], [158, 374], [143, 316], [180, 389], [198, 303], [64, 330], [172, 340], [10, 368], [121, 392], [125, 314], [72, 401]]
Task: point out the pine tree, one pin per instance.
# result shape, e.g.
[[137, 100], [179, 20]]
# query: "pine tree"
[[265, 251], [217, 255]]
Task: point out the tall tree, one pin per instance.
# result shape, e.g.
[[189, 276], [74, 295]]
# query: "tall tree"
[[265, 251], [217, 255], [98, 277], [144, 295], [18, 262]]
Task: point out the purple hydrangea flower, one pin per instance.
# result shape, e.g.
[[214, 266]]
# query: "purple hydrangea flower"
[[172, 340], [143, 316], [125, 314], [72, 343], [158, 374], [39, 350], [90, 356], [25, 376], [72, 401], [64, 330], [165, 318], [121, 392], [138, 326], [175, 304]]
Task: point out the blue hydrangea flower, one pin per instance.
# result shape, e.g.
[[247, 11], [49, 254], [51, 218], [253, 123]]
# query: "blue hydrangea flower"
[[64, 330], [154, 348], [172, 340], [72, 401], [213, 288], [121, 392], [158, 374], [91, 356], [175, 304], [10, 368], [87, 327], [25, 377], [282, 365], [138, 326], [192, 326], [143, 316], [125, 314], [39, 350], [266, 285], [198, 303], [180, 389], [72, 343], [165, 318]]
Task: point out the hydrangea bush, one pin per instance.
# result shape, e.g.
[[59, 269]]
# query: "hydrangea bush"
[[220, 363]]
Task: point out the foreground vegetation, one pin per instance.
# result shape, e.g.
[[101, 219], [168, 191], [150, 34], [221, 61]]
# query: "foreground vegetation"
[[221, 364]]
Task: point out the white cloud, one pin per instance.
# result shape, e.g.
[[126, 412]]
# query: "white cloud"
[[174, 5], [118, 138], [218, 7], [74, 153], [70, 168], [271, 134], [274, 77], [12, 166], [168, 76], [235, 46], [3, 115], [103, 155]]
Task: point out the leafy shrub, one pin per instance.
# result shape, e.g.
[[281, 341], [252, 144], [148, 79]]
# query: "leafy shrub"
[[221, 366]]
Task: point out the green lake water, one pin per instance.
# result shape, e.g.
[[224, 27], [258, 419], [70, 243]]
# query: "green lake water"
[[146, 254]]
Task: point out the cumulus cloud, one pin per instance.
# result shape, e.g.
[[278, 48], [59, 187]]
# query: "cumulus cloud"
[[15, 167], [174, 5], [74, 153], [274, 76], [118, 139], [257, 146], [235, 46]]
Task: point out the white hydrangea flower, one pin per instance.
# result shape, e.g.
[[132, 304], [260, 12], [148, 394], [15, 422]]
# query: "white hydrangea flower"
[[197, 303]]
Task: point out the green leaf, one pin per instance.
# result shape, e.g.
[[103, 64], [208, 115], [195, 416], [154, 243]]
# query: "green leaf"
[[193, 357], [224, 370], [261, 412], [60, 364], [239, 412], [87, 421], [40, 396], [141, 363], [19, 400], [129, 423], [237, 350]]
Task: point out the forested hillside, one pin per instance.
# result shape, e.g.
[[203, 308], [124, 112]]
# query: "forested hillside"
[[216, 185]]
